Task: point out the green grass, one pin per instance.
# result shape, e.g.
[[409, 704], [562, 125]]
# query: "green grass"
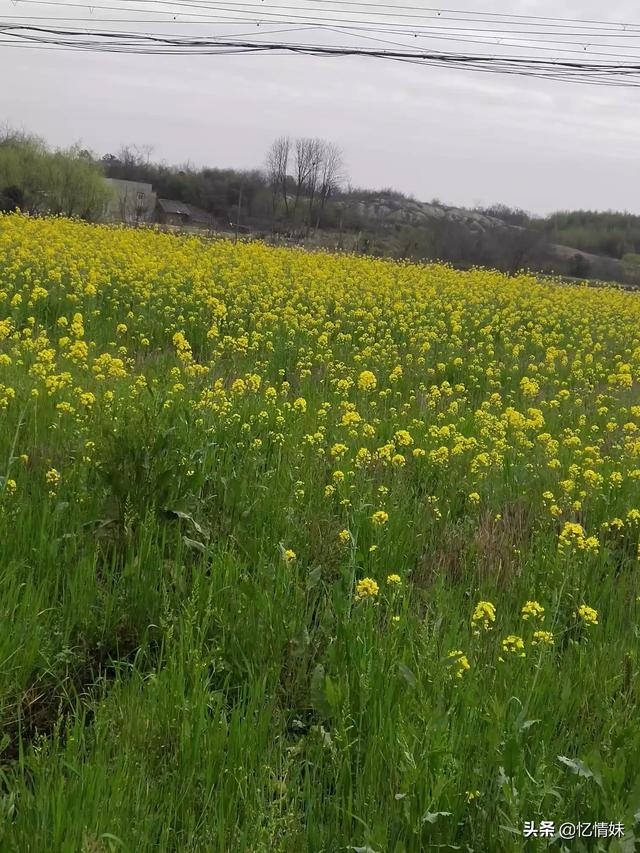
[[170, 682]]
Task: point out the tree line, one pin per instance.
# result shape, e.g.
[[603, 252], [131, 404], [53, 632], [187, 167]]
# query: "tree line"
[[306, 169], [608, 233], [302, 194], [36, 179]]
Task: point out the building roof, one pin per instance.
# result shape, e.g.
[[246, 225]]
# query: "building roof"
[[171, 206], [197, 214], [123, 187]]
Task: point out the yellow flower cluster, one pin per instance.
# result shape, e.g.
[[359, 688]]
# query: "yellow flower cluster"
[[483, 616], [460, 662], [380, 517], [366, 588], [367, 381], [368, 396], [573, 537], [514, 645], [587, 615], [542, 638], [532, 610]]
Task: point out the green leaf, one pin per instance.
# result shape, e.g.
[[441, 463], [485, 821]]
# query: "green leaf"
[[300, 642], [512, 829], [408, 676], [628, 844], [318, 693], [580, 769], [314, 577], [432, 817], [184, 516], [192, 543], [326, 739], [107, 836], [332, 693]]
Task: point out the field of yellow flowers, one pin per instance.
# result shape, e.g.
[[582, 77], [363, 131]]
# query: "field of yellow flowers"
[[302, 552]]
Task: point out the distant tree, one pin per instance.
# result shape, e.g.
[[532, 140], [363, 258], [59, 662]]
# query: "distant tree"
[[23, 161], [579, 266], [67, 182], [312, 183], [278, 170], [510, 215], [131, 163], [600, 233], [332, 174], [512, 248], [75, 185], [306, 156], [318, 169], [11, 199]]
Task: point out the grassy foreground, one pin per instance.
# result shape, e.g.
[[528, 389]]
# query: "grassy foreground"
[[311, 553]]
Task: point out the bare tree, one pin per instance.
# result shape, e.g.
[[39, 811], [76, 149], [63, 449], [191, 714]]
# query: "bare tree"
[[278, 170], [135, 155], [306, 163], [332, 174], [313, 182], [318, 169], [132, 162]]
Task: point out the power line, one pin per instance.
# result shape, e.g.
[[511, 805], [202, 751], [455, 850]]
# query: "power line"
[[488, 35], [438, 10], [459, 35], [529, 62], [591, 81], [266, 13], [208, 49], [419, 13], [26, 31]]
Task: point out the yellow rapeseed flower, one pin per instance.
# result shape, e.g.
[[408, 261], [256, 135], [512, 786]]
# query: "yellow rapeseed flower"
[[460, 662], [366, 588], [532, 610], [587, 615], [367, 381], [513, 645], [542, 638], [483, 616]]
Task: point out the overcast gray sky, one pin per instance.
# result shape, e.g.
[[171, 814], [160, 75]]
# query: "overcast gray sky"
[[463, 137]]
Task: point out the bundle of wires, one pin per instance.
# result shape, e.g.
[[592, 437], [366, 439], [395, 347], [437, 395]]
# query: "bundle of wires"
[[593, 52]]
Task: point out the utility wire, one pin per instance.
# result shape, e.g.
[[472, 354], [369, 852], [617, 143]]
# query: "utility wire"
[[204, 50], [459, 35], [529, 59], [52, 33], [266, 13]]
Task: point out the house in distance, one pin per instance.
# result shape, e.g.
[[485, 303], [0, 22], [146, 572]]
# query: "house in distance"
[[136, 203], [132, 202], [177, 213]]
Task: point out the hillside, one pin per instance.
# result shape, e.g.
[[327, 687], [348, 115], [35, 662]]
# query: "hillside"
[[391, 224], [313, 208]]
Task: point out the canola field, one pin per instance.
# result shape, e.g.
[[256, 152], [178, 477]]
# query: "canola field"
[[302, 552]]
